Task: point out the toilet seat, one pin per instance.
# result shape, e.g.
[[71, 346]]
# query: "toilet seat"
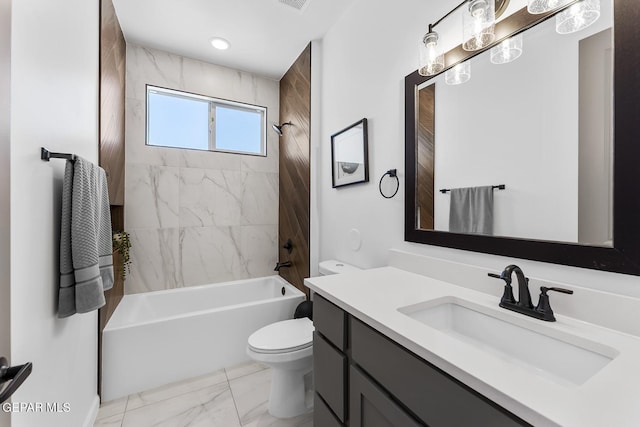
[[282, 337]]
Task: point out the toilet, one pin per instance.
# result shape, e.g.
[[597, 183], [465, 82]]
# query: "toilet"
[[287, 348]]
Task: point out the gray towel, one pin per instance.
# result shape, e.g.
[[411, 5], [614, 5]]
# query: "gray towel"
[[86, 264], [471, 210]]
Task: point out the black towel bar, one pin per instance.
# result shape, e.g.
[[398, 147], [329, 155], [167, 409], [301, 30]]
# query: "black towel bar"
[[15, 375], [46, 155], [499, 187]]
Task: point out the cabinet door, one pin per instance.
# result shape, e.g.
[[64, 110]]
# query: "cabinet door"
[[322, 415], [330, 321], [330, 370], [431, 394], [372, 407]]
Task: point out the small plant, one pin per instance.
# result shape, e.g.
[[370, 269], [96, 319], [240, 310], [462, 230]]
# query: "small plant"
[[121, 245]]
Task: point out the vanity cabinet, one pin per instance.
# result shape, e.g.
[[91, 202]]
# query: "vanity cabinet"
[[332, 364], [329, 363], [364, 379], [372, 406]]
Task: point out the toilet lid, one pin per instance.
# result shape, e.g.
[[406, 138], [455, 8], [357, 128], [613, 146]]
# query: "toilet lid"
[[284, 336]]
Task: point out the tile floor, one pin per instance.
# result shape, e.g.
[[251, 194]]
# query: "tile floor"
[[233, 397]]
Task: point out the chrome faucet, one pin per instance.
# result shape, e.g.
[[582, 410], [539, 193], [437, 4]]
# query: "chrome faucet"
[[279, 265], [524, 306]]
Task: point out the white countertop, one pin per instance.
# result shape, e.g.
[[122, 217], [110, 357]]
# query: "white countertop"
[[611, 397]]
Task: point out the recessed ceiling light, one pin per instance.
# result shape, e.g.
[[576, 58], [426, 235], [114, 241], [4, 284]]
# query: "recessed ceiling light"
[[219, 43]]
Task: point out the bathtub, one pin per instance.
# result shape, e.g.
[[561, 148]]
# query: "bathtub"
[[161, 337]]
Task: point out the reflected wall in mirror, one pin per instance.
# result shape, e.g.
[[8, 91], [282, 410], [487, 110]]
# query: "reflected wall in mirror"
[[425, 158], [564, 144], [541, 125]]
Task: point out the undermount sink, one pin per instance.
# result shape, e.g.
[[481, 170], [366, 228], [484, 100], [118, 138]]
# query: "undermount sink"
[[550, 352]]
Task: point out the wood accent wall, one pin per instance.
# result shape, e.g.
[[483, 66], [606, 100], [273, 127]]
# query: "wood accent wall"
[[425, 156], [112, 122], [112, 96], [295, 175]]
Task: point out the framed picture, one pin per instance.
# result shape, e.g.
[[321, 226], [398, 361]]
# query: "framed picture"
[[349, 162]]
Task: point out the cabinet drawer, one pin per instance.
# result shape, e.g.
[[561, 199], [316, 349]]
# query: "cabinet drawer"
[[330, 321], [435, 397], [322, 415], [370, 406], [330, 367]]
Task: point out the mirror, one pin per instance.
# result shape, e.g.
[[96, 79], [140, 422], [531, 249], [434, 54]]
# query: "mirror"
[[543, 127], [551, 147]]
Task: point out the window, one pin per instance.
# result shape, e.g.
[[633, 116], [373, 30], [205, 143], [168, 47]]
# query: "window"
[[184, 120]]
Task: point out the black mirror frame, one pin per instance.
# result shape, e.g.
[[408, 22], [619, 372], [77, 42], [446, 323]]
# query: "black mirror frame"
[[624, 256]]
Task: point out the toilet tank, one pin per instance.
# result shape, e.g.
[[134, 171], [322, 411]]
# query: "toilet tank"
[[333, 266]]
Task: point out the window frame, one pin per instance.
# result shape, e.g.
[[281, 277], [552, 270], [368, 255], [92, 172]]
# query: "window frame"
[[212, 104]]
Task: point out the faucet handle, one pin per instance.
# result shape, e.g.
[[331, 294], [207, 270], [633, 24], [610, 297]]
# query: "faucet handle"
[[507, 295], [543, 307], [544, 290]]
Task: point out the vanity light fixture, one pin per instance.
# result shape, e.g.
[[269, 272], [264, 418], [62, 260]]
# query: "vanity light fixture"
[[541, 6], [578, 16], [431, 56], [507, 51], [459, 74], [478, 19], [220, 43], [478, 24]]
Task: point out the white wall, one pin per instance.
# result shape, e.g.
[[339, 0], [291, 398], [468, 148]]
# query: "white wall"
[[197, 217], [5, 220], [54, 99], [365, 58], [315, 157]]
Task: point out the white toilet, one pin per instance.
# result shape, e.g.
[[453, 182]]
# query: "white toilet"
[[286, 347]]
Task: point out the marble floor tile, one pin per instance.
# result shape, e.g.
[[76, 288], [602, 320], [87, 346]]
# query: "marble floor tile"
[[244, 369], [232, 397], [113, 407], [211, 406], [251, 394], [170, 391], [266, 420], [110, 421]]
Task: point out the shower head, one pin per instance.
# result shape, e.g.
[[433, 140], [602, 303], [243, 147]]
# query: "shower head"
[[278, 129]]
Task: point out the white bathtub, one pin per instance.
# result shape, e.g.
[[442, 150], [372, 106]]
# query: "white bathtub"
[[160, 337]]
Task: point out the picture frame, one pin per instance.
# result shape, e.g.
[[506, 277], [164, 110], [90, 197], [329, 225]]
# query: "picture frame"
[[349, 155]]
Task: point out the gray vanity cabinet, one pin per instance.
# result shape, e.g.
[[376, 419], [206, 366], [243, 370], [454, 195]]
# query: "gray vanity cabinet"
[[431, 394], [364, 379], [329, 363], [330, 385], [371, 406]]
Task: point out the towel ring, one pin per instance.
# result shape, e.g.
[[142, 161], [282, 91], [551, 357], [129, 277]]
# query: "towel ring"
[[393, 173]]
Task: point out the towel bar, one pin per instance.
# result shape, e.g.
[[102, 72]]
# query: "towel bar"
[[499, 187], [46, 155]]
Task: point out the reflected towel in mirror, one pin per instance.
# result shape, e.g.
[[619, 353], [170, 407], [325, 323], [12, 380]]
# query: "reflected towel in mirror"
[[471, 210]]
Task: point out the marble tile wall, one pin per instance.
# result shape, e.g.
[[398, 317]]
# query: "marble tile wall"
[[197, 217]]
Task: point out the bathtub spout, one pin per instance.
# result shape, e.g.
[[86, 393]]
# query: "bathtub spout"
[[279, 265]]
